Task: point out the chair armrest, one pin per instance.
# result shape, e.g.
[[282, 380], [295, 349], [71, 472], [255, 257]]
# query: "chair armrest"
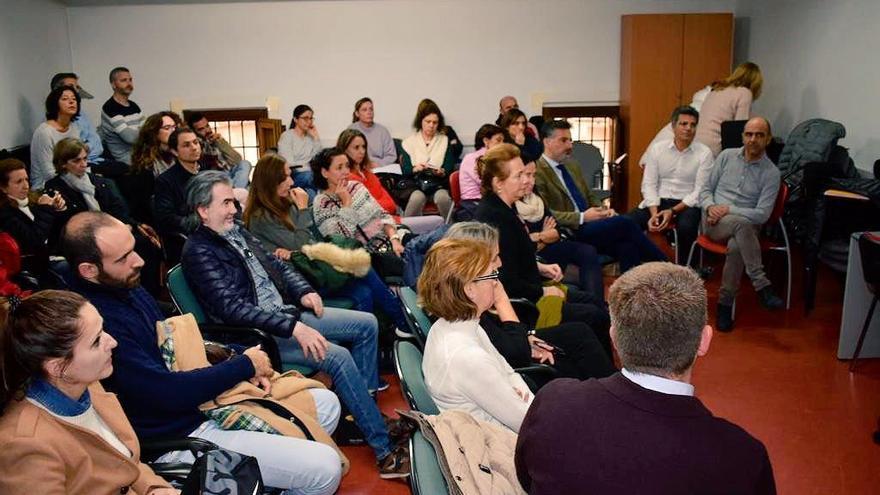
[[525, 310], [537, 369], [159, 447], [245, 336]]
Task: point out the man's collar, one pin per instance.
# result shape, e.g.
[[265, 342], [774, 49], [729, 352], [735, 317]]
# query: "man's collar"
[[550, 161], [742, 154], [688, 148], [658, 383]]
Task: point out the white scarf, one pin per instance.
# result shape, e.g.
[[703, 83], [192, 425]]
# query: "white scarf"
[[530, 208], [23, 206], [431, 153], [84, 186]]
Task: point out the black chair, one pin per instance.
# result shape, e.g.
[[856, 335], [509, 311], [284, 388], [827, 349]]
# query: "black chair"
[[869, 245]]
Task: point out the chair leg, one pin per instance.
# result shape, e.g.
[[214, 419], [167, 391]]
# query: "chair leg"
[[788, 280], [675, 238], [855, 357], [691, 255]]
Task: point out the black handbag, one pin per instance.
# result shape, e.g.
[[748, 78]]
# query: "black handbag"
[[399, 187], [223, 472], [429, 183]]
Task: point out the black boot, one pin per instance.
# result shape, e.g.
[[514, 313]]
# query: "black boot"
[[724, 318], [769, 299]]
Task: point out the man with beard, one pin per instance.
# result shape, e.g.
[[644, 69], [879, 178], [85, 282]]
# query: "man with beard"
[[169, 201], [163, 404], [121, 118]]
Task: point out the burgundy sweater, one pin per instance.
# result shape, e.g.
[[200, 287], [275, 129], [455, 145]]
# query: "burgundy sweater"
[[612, 436]]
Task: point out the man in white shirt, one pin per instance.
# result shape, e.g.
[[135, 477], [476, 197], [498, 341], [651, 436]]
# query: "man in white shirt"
[[675, 171]]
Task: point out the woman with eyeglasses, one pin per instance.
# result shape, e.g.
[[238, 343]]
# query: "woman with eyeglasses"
[[60, 432], [462, 368], [299, 144]]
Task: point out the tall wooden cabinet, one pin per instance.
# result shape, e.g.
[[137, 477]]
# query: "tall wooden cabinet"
[[664, 60]]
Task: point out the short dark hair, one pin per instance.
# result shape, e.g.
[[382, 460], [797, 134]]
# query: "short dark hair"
[[486, 131], [297, 113], [684, 110], [554, 125], [322, 161], [81, 245], [52, 107], [57, 78], [116, 71], [175, 136], [427, 107], [510, 117], [193, 117]]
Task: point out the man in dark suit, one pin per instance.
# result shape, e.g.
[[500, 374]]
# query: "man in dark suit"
[[644, 431], [562, 186]]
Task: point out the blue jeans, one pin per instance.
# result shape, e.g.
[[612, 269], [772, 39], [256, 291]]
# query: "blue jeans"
[[353, 373], [292, 464], [370, 293], [302, 177], [241, 174], [622, 239]]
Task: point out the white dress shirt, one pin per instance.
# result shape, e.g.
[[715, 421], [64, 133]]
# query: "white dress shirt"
[[670, 173], [658, 383], [464, 371]]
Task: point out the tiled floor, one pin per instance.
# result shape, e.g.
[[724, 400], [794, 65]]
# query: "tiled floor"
[[777, 376]]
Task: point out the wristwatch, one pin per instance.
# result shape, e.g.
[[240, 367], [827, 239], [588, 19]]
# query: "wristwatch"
[[531, 333]]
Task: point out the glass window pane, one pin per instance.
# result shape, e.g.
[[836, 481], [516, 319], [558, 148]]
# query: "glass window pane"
[[250, 133], [222, 128], [235, 136], [252, 155]]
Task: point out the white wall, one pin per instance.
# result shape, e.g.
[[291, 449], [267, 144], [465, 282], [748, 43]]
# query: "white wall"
[[819, 59], [34, 45], [463, 54]]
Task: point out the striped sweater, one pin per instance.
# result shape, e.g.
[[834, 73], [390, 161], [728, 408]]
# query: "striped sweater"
[[364, 212], [120, 126]]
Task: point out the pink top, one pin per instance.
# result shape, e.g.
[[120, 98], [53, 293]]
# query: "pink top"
[[730, 103], [468, 179]]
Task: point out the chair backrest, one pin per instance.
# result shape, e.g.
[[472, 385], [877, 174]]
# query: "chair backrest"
[[455, 188], [182, 295], [732, 133], [779, 205], [590, 160], [10, 254], [427, 478], [408, 359], [419, 322], [869, 246]]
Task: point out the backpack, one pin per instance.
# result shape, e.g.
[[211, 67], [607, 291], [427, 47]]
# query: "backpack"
[[224, 472]]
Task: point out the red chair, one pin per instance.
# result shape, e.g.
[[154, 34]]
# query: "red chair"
[[455, 192], [708, 244]]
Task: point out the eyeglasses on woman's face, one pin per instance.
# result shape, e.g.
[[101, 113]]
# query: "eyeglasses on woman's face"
[[493, 275]]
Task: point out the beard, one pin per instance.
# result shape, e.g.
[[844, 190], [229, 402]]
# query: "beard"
[[130, 282]]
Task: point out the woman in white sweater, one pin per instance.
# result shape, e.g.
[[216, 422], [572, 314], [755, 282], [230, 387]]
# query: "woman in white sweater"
[[461, 366]]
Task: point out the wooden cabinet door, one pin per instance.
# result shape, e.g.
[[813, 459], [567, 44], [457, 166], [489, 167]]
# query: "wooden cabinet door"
[[268, 132], [708, 51]]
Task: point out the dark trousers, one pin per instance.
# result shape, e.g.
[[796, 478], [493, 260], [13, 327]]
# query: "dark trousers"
[[584, 356], [583, 256], [687, 224], [582, 307], [109, 168], [622, 239]]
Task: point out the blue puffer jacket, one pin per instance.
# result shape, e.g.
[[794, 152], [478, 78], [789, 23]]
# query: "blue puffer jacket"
[[219, 278]]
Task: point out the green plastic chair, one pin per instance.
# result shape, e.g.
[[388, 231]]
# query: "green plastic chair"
[[418, 321], [186, 302], [408, 360], [426, 477]]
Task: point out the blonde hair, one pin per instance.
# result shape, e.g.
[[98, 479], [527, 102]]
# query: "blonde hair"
[[746, 74], [494, 165], [450, 265]]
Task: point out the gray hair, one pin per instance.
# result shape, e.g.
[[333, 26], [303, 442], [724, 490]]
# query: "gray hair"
[[477, 231], [200, 192]]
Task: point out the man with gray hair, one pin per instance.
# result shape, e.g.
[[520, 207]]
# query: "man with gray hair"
[[239, 283], [642, 430]]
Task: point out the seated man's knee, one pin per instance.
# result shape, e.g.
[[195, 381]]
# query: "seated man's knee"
[[327, 407], [324, 468]]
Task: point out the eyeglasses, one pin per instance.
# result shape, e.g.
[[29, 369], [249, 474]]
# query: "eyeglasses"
[[308, 118], [490, 276], [169, 127]]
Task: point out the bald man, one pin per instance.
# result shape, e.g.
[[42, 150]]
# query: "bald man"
[[737, 200]]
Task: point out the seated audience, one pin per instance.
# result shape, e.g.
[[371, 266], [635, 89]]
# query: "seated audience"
[[345, 207], [455, 146], [469, 181], [84, 191], [501, 171], [730, 99], [675, 171], [60, 432], [150, 157], [461, 366], [737, 199], [382, 150], [642, 430], [299, 144], [62, 105], [239, 283], [354, 143], [217, 154], [570, 348], [121, 118], [561, 185], [428, 158], [279, 216], [545, 234], [33, 220], [508, 103], [169, 200], [88, 133], [514, 123], [164, 404]]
